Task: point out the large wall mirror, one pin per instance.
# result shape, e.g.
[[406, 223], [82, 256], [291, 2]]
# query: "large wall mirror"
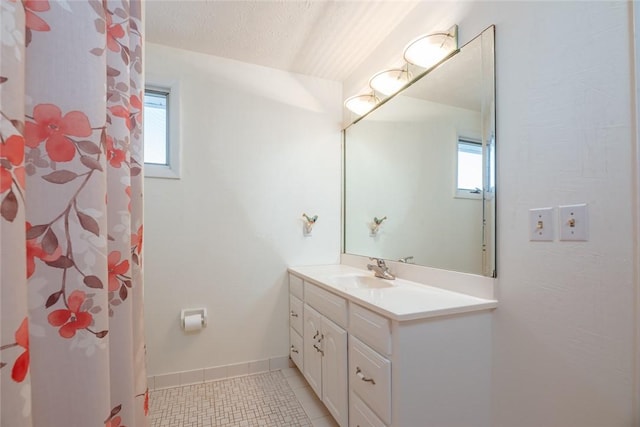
[[419, 179]]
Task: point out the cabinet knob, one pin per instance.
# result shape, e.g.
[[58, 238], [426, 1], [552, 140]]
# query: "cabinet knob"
[[293, 350], [294, 314], [318, 349], [362, 377]]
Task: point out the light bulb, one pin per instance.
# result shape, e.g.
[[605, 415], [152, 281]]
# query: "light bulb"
[[428, 50], [362, 104], [389, 82]]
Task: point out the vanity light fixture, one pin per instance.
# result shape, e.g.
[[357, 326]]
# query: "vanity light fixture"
[[391, 81], [429, 49], [424, 51], [362, 104]]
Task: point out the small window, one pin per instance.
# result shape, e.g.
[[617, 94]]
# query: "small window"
[[161, 136], [156, 137], [469, 171]]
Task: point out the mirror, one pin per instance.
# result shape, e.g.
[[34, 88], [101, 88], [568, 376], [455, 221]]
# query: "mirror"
[[419, 169]]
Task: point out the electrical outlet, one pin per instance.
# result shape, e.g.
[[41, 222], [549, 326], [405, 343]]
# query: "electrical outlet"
[[573, 222], [541, 224]]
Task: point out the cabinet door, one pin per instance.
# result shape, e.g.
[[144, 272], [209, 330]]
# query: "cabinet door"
[[312, 353], [334, 371]]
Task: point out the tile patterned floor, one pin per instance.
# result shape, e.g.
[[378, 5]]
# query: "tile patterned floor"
[[272, 399]]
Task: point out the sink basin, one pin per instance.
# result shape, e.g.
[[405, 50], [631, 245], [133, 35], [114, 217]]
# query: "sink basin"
[[361, 282]]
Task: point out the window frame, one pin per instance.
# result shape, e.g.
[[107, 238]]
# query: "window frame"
[[172, 170]]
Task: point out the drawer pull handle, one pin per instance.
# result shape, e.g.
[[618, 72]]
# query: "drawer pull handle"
[[294, 314], [318, 349], [293, 350], [316, 335], [362, 377]]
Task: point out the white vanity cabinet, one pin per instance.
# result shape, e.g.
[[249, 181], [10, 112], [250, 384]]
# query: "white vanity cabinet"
[[427, 372], [334, 371], [312, 343], [441, 370], [369, 363], [296, 321], [408, 356], [320, 344], [325, 350]]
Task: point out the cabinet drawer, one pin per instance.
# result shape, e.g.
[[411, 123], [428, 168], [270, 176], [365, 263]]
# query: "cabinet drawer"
[[295, 313], [328, 304], [371, 328], [295, 348], [360, 415], [295, 286], [370, 378]]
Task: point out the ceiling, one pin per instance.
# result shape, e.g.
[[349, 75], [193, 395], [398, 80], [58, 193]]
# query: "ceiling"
[[321, 38]]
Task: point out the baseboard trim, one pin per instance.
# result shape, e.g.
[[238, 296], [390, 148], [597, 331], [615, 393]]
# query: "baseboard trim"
[[215, 373]]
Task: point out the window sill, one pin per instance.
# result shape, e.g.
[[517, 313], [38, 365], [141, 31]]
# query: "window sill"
[[466, 194], [160, 171]]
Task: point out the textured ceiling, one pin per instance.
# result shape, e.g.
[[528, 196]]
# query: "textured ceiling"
[[326, 39]]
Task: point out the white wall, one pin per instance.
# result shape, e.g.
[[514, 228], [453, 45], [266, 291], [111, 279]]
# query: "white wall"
[[564, 333], [259, 148]]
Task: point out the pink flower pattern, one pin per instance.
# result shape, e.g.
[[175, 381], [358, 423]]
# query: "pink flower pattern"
[[69, 148], [35, 250], [33, 21], [116, 269], [114, 32], [12, 150], [21, 365], [71, 319], [115, 156], [136, 241], [113, 422], [50, 126]]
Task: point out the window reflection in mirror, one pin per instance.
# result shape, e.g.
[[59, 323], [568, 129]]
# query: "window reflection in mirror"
[[469, 168]]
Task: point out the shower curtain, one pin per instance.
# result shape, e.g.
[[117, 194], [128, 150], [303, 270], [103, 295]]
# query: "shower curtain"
[[71, 322]]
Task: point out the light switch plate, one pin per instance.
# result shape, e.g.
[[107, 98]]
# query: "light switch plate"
[[541, 224], [574, 222]]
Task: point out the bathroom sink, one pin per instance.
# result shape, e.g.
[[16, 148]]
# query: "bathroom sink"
[[360, 282]]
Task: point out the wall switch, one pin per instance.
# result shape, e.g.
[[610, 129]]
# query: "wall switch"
[[573, 222], [541, 224]]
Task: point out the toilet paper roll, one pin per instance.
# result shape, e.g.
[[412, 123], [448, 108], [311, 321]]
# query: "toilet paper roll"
[[192, 323]]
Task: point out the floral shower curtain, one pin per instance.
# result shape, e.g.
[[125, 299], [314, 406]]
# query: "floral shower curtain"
[[71, 321]]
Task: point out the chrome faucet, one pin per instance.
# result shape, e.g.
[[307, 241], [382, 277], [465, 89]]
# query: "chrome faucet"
[[380, 269]]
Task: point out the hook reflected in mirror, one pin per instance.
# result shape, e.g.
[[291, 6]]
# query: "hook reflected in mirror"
[[375, 225]]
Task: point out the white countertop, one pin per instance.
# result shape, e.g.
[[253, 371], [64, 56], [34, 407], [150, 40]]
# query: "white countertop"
[[402, 300]]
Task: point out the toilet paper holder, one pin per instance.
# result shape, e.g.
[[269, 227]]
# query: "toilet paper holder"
[[193, 311]]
